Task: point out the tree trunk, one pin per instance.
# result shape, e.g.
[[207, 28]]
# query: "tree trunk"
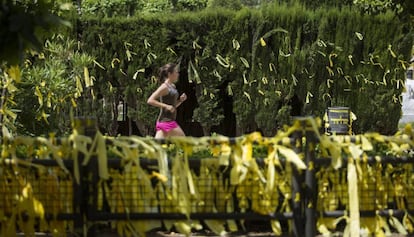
[[113, 129], [206, 130], [78, 6], [3, 98], [249, 127]]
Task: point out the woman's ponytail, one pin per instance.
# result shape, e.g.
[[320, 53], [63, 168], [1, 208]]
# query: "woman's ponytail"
[[164, 70]]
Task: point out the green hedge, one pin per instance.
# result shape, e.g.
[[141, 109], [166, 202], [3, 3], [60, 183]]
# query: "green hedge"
[[252, 69]]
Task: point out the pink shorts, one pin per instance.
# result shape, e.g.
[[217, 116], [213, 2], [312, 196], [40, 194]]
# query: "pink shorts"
[[166, 126]]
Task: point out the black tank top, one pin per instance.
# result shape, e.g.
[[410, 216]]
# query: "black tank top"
[[170, 99]]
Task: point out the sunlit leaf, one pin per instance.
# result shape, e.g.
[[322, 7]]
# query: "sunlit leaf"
[[308, 96], [169, 49], [262, 42], [79, 86], [371, 59], [321, 43], [39, 96], [49, 100], [332, 55], [11, 87], [123, 73], [326, 96], [98, 64], [10, 113], [142, 70], [151, 56], [6, 133], [384, 78], [272, 67], [391, 51], [340, 71], [321, 53], [88, 81], [45, 116], [217, 74], [129, 55], [359, 36], [247, 95], [295, 80], [394, 98], [111, 88], [146, 44], [245, 62], [14, 73], [283, 54], [350, 60], [66, 6], [196, 45], [115, 60], [229, 90], [236, 44], [222, 61], [74, 104], [329, 82], [403, 64], [330, 71], [193, 73]]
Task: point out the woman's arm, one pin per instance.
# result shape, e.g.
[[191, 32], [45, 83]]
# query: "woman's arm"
[[153, 99], [181, 99]]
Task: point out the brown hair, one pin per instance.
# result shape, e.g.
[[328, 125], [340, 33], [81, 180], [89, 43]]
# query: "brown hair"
[[164, 70]]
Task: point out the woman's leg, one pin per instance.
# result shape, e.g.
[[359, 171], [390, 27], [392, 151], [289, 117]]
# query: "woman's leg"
[[160, 134], [176, 132]]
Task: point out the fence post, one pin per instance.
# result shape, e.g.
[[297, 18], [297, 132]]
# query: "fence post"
[[85, 126], [310, 184], [91, 182], [297, 181], [77, 202]]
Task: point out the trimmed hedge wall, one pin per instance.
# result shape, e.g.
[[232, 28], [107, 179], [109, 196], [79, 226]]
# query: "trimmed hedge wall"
[[252, 69]]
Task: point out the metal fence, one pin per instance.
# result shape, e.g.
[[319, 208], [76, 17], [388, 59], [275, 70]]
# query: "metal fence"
[[315, 193]]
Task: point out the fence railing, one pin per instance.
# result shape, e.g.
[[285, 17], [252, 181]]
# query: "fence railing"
[[220, 190]]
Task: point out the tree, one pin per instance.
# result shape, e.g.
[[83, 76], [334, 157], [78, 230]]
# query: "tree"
[[56, 82], [231, 4], [23, 26], [403, 8]]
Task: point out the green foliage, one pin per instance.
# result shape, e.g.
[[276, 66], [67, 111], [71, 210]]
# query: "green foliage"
[[122, 8], [403, 8], [111, 8], [153, 6], [313, 4], [260, 60], [253, 3], [23, 25], [53, 81], [230, 4], [190, 5]]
